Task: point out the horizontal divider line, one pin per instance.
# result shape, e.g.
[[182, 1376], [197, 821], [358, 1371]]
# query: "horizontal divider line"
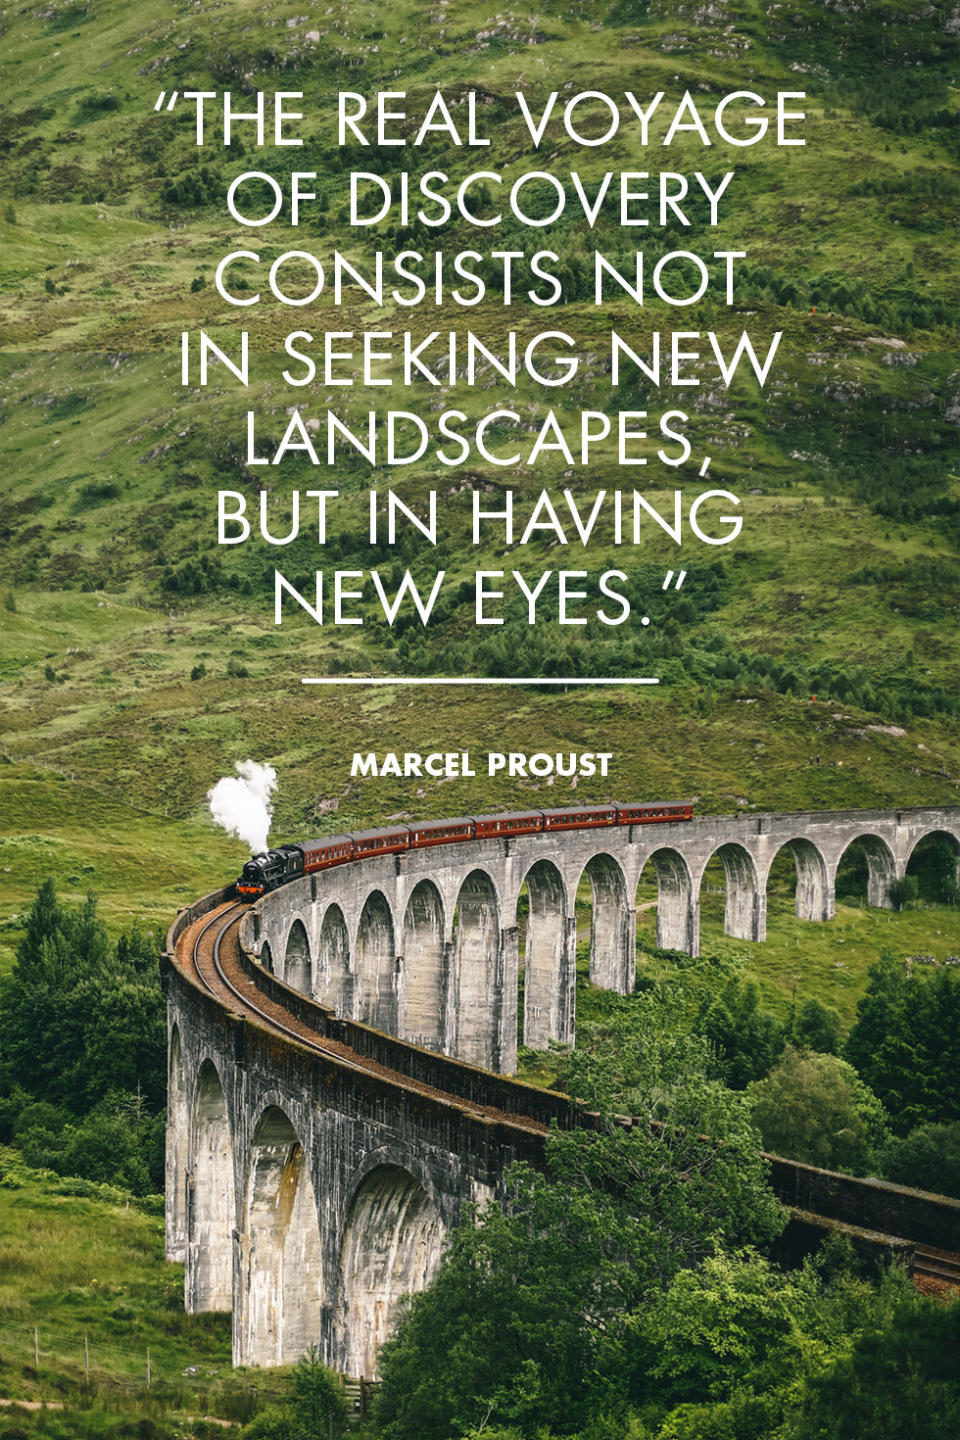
[[474, 680]]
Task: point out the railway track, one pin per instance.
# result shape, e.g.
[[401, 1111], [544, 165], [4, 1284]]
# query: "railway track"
[[940, 1265], [214, 957]]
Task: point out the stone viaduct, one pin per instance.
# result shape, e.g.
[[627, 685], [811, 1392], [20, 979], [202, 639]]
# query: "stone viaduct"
[[426, 945], [320, 1143]]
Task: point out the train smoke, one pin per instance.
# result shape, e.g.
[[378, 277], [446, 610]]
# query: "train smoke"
[[241, 804]]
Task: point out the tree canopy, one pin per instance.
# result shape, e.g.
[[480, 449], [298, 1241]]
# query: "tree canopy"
[[531, 1307], [83, 1032]]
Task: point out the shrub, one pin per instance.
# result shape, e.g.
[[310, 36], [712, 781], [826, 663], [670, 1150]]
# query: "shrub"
[[928, 1158], [815, 1108]]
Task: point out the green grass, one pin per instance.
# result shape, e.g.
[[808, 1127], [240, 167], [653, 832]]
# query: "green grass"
[[111, 469], [90, 1264], [86, 837], [801, 959]]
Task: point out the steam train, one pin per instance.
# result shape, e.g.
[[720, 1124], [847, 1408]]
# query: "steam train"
[[266, 872]]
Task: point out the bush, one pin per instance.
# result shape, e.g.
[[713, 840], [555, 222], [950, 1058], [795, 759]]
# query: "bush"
[[85, 1021], [928, 1159], [315, 1411], [746, 1037], [906, 1042], [815, 1108], [817, 1027], [903, 892]]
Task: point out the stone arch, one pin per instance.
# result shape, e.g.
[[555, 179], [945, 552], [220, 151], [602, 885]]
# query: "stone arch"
[[549, 959], [814, 892], [678, 922], [296, 960], [744, 907], [376, 965], [476, 948], [334, 985], [947, 836], [212, 1198], [177, 1151], [392, 1244], [266, 957], [881, 868], [424, 968], [612, 926], [281, 1246]]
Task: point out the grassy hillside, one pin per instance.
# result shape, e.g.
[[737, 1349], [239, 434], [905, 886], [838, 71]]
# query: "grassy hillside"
[[100, 1274], [842, 584]]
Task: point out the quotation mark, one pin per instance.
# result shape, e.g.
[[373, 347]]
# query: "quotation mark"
[[170, 103], [681, 576]]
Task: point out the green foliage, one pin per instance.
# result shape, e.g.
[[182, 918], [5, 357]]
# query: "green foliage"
[[118, 1143], [684, 1192], [521, 1312], [900, 1378], [905, 1043], [927, 1159], [754, 1353], [747, 1038], [195, 577], [315, 1409], [934, 867], [82, 1022], [193, 189], [815, 1108], [711, 1326], [318, 1399], [529, 1309], [271, 1423], [903, 891], [816, 1027]]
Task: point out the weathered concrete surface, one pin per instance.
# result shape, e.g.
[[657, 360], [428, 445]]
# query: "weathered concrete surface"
[[318, 1194], [876, 1205], [425, 944]]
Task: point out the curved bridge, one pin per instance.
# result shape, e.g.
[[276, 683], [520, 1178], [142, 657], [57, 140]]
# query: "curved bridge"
[[315, 1163], [426, 944]]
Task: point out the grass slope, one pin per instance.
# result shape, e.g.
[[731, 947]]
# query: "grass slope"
[[843, 584], [79, 1261]]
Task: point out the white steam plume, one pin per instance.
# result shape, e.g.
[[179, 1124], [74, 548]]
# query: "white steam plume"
[[242, 805]]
